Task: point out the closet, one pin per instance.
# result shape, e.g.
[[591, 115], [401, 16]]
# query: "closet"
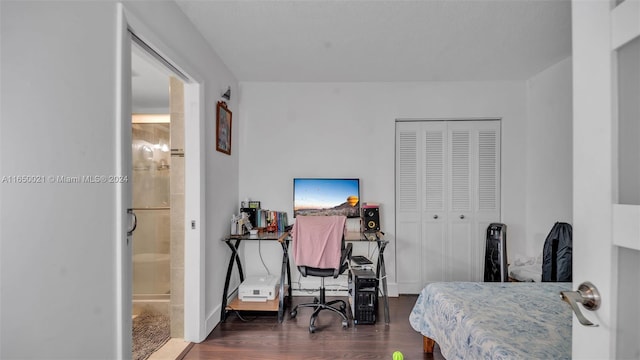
[[447, 193]]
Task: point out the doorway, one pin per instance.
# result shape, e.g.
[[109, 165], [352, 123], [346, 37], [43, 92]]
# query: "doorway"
[[158, 201], [132, 31]]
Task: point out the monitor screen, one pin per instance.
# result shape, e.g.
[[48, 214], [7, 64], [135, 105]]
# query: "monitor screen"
[[326, 197]]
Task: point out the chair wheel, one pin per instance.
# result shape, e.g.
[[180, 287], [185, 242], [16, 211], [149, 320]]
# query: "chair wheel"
[[315, 300], [294, 313], [345, 324], [312, 329]]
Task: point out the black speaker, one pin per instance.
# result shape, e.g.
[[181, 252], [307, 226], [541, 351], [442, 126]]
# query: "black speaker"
[[371, 218]]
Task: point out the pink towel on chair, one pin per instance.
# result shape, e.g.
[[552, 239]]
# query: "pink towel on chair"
[[317, 241]]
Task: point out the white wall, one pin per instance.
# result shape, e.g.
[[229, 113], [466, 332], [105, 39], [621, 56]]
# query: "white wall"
[[58, 240], [347, 130], [58, 258], [549, 154]]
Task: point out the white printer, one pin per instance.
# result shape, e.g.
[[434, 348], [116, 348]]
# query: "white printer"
[[258, 288]]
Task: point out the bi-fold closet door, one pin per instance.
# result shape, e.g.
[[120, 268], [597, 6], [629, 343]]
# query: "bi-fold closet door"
[[447, 194]]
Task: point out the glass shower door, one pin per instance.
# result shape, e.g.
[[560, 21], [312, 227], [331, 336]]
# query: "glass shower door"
[[151, 202]]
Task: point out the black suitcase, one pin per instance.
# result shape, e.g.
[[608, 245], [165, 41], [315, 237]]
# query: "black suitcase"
[[557, 254], [495, 256]]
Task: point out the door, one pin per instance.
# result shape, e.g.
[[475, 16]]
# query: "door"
[[447, 191], [473, 172], [601, 32]]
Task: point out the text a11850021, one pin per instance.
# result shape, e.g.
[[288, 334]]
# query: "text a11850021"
[[64, 179]]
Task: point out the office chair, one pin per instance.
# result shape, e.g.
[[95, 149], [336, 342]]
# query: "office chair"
[[319, 250]]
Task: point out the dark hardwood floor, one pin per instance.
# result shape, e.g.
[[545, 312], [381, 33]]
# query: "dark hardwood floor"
[[260, 336]]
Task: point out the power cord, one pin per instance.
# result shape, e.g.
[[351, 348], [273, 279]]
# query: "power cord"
[[261, 258], [243, 319]]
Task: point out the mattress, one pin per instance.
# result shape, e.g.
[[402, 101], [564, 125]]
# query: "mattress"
[[495, 320]]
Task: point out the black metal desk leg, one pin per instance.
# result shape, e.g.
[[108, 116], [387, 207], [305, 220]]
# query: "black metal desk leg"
[[381, 273], [285, 269], [289, 273], [235, 257]]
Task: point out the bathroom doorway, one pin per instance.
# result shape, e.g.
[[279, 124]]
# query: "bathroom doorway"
[[158, 201]]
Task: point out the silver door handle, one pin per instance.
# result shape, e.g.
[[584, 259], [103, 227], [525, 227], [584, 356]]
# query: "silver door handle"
[[588, 295], [133, 224], [435, 216], [461, 216]]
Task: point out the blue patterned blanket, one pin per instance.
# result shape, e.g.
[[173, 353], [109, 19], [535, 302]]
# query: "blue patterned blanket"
[[495, 320]]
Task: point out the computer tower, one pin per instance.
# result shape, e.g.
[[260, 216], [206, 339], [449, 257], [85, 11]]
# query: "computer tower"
[[495, 262], [363, 296]]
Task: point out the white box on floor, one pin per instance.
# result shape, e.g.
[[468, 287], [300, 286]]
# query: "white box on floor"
[[258, 288]]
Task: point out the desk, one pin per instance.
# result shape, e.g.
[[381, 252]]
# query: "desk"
[[381, 272], [234, 241], [277, 304]]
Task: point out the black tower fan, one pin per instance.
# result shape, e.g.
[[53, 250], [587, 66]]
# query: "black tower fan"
[[495, 256]]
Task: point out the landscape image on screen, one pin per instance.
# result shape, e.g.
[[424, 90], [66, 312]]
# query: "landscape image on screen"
[[326, 197]]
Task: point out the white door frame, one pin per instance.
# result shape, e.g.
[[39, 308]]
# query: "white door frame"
[[123, 190], [194, 271]]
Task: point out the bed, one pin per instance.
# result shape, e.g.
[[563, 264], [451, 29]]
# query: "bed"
[[494, 320]]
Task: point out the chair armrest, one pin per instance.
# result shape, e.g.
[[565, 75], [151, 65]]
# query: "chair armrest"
[[344, 260], [346, 253]]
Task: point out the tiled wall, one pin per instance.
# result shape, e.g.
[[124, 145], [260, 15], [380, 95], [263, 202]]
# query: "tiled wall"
[[177, 208]]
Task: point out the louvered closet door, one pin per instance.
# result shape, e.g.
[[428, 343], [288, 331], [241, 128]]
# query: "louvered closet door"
[[409, 139], [474, 199], [447, 186], [459, 252], [433, 190], [486, 188]]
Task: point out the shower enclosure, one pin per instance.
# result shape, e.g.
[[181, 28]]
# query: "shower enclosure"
[[152, 205]]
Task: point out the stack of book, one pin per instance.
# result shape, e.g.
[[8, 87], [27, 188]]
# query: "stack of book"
[[274, 220]]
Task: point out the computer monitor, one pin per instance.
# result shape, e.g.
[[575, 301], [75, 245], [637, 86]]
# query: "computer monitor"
[[326, 196]]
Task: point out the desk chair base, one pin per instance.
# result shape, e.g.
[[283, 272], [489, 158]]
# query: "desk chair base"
[[321, 304]]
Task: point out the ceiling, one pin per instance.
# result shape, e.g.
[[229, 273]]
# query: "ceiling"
[[369, 41], [149, 83], [376, 40]]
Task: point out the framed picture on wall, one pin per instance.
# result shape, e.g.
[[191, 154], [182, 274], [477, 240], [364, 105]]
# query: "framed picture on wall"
[[223, 128]]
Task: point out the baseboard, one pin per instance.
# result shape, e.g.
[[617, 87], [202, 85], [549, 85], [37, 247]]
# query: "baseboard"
[[328, 292], [213, 319], [392, 289]]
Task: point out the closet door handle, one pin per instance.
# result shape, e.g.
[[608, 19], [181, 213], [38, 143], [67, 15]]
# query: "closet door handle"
[[461, 216], [435, 216]]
